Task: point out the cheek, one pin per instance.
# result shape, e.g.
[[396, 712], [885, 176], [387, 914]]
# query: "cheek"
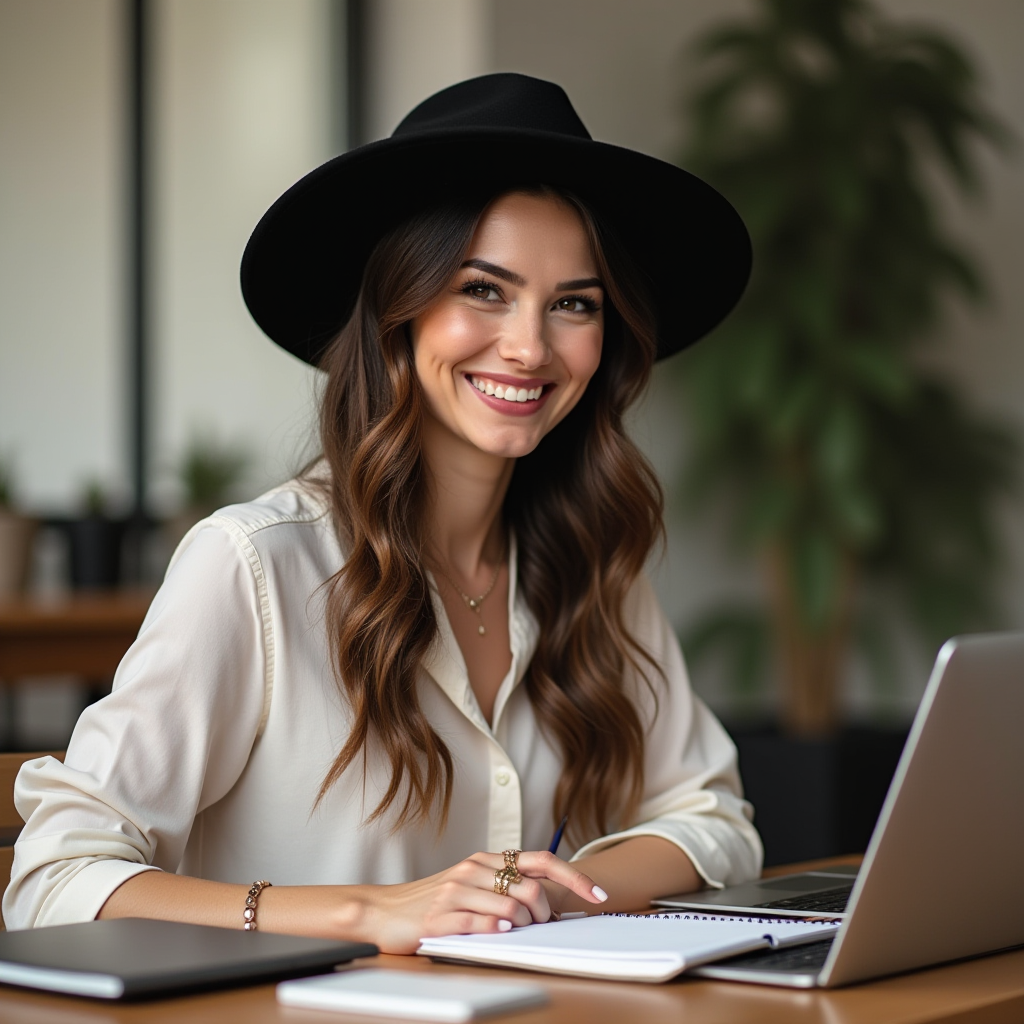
[[445, 337], [583, 356]]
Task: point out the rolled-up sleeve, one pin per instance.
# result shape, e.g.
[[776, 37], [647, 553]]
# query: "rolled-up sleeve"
[[692, 795], [171, 739]]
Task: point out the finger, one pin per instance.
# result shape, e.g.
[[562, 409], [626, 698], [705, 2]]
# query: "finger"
[[541, 864], [487, 902], [531, 894], [528, 891], [467, 923], [479, 871]]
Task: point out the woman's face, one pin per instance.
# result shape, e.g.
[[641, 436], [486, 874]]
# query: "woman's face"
[[508, 349]]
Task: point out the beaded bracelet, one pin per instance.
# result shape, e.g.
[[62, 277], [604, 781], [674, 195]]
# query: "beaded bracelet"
[[249, 914]]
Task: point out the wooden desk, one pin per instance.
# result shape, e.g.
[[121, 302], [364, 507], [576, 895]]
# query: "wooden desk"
[[87, 634], [987, 991]]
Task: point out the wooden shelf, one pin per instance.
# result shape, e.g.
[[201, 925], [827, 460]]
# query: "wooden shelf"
[[86, 633]]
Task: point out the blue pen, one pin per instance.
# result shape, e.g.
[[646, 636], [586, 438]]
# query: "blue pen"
[[553, 848]]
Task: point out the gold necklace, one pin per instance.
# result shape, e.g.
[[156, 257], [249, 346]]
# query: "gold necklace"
[[474, 603]]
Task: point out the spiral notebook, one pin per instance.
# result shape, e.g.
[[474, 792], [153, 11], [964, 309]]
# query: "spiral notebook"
[[628, 947]]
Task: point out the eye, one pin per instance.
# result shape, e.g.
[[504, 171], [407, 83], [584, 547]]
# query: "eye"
[[577, 304], [483, 290]]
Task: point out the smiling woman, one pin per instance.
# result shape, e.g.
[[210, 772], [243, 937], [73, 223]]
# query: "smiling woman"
[[458, 470], [502, 357], [438, 638], [513, 326]]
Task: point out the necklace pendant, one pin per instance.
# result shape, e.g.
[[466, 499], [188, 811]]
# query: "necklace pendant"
[[473, 603], [481, 630]]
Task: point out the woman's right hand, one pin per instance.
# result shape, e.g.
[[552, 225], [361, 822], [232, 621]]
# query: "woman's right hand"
[[459, 900]]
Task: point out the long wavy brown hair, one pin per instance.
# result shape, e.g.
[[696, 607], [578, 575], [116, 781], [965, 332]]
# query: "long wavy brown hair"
[[585, 505]]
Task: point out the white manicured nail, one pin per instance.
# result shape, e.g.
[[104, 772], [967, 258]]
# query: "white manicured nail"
[[504, 926], [599, 893]]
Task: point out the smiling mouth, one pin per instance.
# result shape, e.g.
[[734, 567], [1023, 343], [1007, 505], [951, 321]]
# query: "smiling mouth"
[[508, 392]]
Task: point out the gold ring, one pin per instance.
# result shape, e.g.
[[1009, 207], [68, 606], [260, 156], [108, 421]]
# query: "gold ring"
[[502, 880], [512, 860]]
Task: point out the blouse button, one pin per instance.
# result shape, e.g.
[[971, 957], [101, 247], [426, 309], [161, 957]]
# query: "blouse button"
[[501, 776]]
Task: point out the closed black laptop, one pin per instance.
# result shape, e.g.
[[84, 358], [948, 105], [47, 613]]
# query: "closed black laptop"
[[132, 958]]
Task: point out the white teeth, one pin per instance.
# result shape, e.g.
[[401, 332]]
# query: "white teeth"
[[509, 393]]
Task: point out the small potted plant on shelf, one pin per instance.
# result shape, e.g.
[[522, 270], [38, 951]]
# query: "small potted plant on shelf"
[[17, 532], [96, 540], [209, 473]]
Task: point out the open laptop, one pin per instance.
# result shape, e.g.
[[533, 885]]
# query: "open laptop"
[[943, 876]]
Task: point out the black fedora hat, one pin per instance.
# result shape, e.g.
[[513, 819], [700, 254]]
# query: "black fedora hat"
[[303, 265]]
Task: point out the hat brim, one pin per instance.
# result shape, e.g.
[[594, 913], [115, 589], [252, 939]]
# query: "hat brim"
[[303, 265]]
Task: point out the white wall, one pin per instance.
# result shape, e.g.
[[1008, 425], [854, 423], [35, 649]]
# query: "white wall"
[[415, 48], [243, 108], [62, 414]]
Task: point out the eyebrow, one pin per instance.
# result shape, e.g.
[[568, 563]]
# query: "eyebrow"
[[492, 268], [519, 281], [583, 282]]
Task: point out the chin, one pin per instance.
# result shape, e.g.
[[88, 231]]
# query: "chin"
[[507, 448]]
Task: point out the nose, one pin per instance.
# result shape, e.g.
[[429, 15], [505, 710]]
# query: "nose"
[[523, 340]]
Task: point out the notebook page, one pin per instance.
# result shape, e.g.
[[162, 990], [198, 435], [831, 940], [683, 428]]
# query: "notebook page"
[[643, 947]]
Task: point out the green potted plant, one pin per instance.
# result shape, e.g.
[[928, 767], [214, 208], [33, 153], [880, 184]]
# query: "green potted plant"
[[849, 468], [17, 532], [209, 472]]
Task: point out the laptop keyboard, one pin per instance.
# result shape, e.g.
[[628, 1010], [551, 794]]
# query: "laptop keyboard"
[[828, 901], [811, 957]]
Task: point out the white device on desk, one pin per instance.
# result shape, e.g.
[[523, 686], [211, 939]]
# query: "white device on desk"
[[383, 993], [943, 877]]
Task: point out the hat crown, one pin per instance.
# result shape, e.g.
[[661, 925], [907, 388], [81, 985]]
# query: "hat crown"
[[502, 101]]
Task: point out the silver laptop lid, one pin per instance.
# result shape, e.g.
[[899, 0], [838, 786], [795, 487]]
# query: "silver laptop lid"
[[943, 876]]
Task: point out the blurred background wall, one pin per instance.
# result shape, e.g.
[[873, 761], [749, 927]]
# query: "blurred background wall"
[[61, 228], [249, 94]]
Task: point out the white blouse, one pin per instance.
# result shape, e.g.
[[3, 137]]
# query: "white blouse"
[[225, 715]]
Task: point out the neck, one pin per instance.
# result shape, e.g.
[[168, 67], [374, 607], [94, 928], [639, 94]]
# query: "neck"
[[467, 490]]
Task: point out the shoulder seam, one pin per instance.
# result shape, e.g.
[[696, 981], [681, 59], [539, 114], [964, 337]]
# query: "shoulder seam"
[[253, 526], [244, 541]]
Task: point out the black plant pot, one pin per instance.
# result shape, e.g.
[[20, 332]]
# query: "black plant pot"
[[816, 798], [96, 543]]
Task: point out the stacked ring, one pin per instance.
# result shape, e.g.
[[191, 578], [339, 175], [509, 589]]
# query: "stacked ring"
[[509, 874]]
